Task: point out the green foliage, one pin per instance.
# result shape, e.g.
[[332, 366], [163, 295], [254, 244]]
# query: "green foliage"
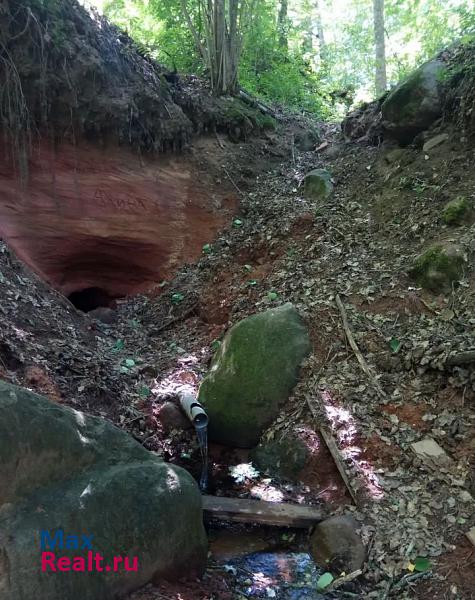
[[177, 298], [455, 211], [304, 74]]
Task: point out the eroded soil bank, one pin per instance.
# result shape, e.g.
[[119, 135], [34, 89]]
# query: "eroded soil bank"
[[89, 217]]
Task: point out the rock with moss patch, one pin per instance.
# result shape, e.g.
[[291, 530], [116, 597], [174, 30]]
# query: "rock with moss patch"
[[307, 140], [318, 184], [283, 458], [61, 470], [455, 211], [439, 267], [252, 375], [336, 546], [415, 103]]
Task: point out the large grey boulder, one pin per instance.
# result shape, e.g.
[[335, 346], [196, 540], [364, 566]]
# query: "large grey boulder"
[[415, 103], [61, 470], [252, 375]]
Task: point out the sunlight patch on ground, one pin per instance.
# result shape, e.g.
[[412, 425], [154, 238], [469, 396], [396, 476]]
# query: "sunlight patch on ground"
[[175, 379], [267, 492], [344, 429]]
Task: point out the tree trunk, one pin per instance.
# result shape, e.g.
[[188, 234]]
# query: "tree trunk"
[[220, 44], [282, 22], [319, 24], [234, 47], [380, 49]]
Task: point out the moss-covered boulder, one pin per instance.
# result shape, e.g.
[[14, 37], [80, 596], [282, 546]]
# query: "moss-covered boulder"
[[456, 211], [415, 103], [64, 471], [252, 375], [439, 267], [318, 184]]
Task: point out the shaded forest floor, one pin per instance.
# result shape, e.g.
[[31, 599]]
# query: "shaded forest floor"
[[358, 244]]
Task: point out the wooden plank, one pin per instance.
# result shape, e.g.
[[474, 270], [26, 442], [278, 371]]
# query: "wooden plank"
[[257, 511]]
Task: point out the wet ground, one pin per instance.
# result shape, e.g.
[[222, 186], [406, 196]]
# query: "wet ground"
[[266, 562]]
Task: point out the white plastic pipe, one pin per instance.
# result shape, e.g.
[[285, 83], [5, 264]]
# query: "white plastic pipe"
[[192, 408]]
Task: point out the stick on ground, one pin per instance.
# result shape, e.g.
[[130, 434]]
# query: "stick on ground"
[[354, 346]]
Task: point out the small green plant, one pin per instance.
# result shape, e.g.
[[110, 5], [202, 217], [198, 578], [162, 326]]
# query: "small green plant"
[[237, 223], [144, 391], [128, 364], [215, 345], [118, 346], [177, 298], [207, 249]]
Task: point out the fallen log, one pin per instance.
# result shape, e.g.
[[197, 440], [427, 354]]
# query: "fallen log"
[[265, 513], [254, 103]]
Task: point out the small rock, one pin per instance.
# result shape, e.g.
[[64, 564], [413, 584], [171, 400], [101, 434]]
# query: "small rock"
[[307, 140], [471, 536], [104, 314], [435, 141], [336, 546], [318, 184], [431, 453], [439, 266], [171, 417]]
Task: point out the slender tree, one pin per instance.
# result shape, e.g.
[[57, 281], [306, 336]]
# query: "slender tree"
[[319, 26], [219, 40], [380, 47], [282, 21]]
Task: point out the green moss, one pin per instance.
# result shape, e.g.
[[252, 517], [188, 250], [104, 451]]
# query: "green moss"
[[404, 101], [455, 211], [438, 267], [237, 112], [318, 184]]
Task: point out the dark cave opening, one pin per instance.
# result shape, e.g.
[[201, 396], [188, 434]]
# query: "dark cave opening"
[[91, 298]]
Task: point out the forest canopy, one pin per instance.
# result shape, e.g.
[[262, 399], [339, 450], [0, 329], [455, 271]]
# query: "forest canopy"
[[320, 56]]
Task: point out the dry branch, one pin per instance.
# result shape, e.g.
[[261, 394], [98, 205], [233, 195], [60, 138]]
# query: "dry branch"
[[354, 346], [334, 451]]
